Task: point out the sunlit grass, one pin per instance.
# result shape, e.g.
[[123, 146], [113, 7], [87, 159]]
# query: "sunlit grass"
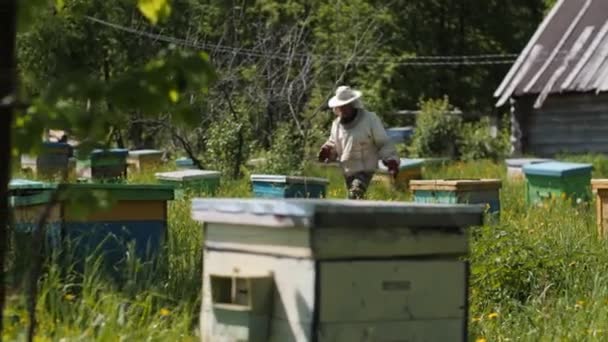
[[540, 273]]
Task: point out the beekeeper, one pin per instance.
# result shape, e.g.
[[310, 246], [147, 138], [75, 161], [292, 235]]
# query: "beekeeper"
[[358, 141]]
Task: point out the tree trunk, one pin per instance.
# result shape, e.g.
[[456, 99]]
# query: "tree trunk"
[[8, 18]]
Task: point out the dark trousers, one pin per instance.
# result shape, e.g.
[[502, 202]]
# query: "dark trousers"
[[357, 184]]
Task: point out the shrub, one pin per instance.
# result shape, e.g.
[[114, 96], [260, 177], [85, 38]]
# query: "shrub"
[[286, 154], [476, 141], [227, 147], [436, 131]]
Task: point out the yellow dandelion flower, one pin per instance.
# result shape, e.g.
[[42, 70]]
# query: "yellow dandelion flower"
[[69, 297], [579, 304], [164, 312], [481, 339], [476, 319], [493, 315]]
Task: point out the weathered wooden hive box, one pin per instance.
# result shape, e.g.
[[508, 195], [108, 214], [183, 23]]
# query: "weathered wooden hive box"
[[600, 188], [141, 160], [515, 166], [104, 164], [334, 270], [408, 169], [28, 201], [184, 164], [54, 159], [471, 191], [276, 186], [136, 214], [133, 214], [196, 181], [557, 179]]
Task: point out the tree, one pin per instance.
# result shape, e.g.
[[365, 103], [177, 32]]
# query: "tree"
[[8, 27], [76, 94]]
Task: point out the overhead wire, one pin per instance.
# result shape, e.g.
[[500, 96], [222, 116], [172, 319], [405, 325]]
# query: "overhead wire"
[[447, 60]]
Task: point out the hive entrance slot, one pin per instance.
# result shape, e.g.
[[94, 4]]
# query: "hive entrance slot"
[[233, 291]]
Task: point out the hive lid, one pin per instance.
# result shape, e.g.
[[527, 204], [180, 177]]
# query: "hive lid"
[[405, 164], [456, 184], [400, 133], [599, 183], [127, 192], [519, 162], [315, 213], [54, 145], [25, 192], [116, 151], [21, 184], [185, 175], [184, 162], [288, 179], [557, 169], [145, 152]]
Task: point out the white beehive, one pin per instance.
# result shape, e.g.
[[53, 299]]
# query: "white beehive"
[[314, 270]]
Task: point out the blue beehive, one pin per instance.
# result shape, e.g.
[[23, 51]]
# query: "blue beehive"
[[184, 163], [557, 179], [28, 200], [451, 191], [276, 186], [400, 134], [137, 214]]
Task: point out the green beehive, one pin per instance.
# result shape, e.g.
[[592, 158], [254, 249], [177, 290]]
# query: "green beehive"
[[557, 179], [104, 165], [204, 181], [334, 270]]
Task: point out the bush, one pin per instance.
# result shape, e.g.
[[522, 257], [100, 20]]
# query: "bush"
[[436, 131], [286, 155], [476, 142], [227, 147]]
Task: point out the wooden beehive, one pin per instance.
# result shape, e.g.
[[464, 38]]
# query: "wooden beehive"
[[142, 160], [557, 179], [206, 181], [278, 186], [472, 191], [53, 160], [515, 166], [331, 270], [104, 165], [185, 164], [600, 188], [409, 169], [135, 214]]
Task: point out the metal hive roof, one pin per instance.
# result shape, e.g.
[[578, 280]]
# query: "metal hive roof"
[[567, 53]]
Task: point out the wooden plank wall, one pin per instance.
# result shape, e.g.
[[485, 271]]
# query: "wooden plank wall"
[[571, 124]]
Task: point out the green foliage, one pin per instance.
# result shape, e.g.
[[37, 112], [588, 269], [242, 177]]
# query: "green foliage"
[[226, 147], [436, 130], [538, 273], [476, 142], [285, 156], [154, 10]]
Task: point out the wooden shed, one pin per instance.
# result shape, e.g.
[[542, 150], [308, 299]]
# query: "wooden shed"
[[558, 86]]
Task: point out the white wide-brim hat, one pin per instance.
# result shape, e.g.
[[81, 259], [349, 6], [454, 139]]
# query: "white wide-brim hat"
[[344, 95]]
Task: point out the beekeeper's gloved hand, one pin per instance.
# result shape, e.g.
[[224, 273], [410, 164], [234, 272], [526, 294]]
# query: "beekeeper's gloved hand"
[[392, 166]]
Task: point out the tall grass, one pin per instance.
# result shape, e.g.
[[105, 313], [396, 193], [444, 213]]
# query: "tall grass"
[[539, 273]]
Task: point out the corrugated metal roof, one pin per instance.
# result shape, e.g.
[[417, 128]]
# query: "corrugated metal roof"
[[567, 53]]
